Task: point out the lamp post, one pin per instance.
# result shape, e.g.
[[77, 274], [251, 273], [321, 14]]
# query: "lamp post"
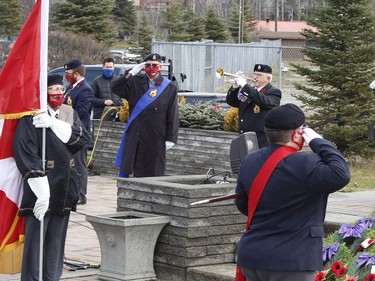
[[240, 21]]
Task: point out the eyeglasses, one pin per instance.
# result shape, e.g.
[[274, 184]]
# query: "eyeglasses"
[[56, 88], [257, 74], [148, 65], [56, 97]]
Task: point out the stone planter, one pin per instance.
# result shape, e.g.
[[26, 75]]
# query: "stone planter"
[[127, 242]]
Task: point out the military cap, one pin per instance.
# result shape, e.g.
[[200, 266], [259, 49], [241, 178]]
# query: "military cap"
[[72, 64], [284, 117], [263, 68], [54, 79], [155, 56]]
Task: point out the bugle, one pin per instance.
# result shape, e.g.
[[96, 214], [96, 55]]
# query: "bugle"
[[220, 74]]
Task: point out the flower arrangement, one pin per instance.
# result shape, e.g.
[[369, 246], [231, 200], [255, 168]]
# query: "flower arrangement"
[[349, 253]]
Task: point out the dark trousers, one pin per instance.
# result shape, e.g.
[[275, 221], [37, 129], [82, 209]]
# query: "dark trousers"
[[55, 229], [275, 275], [80, 162]]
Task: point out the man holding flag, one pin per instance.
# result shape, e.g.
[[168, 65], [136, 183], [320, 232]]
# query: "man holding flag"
[[24, 79], [53, 193]]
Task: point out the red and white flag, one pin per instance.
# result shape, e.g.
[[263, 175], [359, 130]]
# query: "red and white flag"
[[21, 80]]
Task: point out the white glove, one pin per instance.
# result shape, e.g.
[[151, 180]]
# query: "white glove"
[[309, 134], [62, 129], [168, 145], [240, 81], [241, 97], [372, 85], [137, 68], [40, 187], [235, 84]]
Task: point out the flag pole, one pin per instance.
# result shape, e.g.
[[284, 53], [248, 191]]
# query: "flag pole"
[[43, 105]]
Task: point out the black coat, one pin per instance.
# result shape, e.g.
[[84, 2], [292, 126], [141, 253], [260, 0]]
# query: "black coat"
[[266, 99], [144, 151], [101, 87], [286, 231], [62, 176]]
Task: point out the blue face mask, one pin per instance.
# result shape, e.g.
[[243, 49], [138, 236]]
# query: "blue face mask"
[[108, 73]]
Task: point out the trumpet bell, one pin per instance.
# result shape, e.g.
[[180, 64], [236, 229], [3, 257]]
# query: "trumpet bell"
[[219, 73]]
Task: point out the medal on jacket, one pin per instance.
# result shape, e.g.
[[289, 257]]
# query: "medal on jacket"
[[69, 101], [153, 93], [256, 109]]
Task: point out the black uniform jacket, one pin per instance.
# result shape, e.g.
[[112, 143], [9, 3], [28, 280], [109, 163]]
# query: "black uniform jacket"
[[62, 176], [286, 232], [81, 98], [144, 150], [267, 98]]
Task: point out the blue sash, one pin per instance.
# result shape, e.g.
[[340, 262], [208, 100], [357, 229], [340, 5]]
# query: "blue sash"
[[142, 103]]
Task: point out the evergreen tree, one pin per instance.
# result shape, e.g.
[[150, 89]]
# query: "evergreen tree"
[[172, 21], [10, 18], [86, 17], [145, 35], [248, 22], [194, 25], [124, 16], [215, 26], [342, 67]]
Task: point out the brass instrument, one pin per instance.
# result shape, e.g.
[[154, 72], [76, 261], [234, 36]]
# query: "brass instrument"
[[220, 74]]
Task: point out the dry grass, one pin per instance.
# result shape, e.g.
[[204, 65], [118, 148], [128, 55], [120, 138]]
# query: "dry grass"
[[362, 176]]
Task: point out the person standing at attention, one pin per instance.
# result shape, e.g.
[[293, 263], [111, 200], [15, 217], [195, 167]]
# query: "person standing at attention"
[[286, 196], [153, 123], [254, 101], [101, 86], [79, 95], [50, 193]]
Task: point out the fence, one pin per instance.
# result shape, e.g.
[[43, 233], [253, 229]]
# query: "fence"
[[199, 61]]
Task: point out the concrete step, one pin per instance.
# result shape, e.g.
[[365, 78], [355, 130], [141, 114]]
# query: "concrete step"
[[219, 272]]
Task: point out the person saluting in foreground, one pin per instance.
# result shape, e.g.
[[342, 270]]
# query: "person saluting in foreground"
[[284, 233]]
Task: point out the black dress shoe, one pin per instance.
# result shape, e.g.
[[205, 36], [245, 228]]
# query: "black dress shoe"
[[81, 202]]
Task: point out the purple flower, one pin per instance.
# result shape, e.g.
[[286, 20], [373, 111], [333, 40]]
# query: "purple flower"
[[329, 252], [367, 222], [352, 231], [365, 259]]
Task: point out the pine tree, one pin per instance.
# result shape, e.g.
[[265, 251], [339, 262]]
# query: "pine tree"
[[145, 35], [342, 67], [173, 22], [194, 25], [215, 26], [86, 17], [124, 16], [10, 18]]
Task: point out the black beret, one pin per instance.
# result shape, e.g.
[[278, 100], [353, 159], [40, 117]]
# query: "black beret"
[[284, 117], [72, 64], [155, 56], [54, 79], [263, 68]]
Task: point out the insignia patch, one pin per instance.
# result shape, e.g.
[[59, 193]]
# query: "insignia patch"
[[153, 93], [259, 67], [69, 101], [256, 109]]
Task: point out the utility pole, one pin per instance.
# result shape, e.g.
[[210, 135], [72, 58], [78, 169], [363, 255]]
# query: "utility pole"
[[240, 21], [276, 14]]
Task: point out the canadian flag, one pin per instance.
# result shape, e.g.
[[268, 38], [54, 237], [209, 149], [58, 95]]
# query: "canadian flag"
[[21, 80]]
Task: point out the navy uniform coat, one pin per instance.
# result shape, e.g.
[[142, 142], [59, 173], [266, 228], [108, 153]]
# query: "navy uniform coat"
[[81, 98], [267, 98], [286, 232], [144, 151], [61, 173]]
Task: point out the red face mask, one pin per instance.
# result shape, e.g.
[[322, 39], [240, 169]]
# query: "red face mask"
[[300, 145], [55, 101], [152, 71], [69, 78]]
